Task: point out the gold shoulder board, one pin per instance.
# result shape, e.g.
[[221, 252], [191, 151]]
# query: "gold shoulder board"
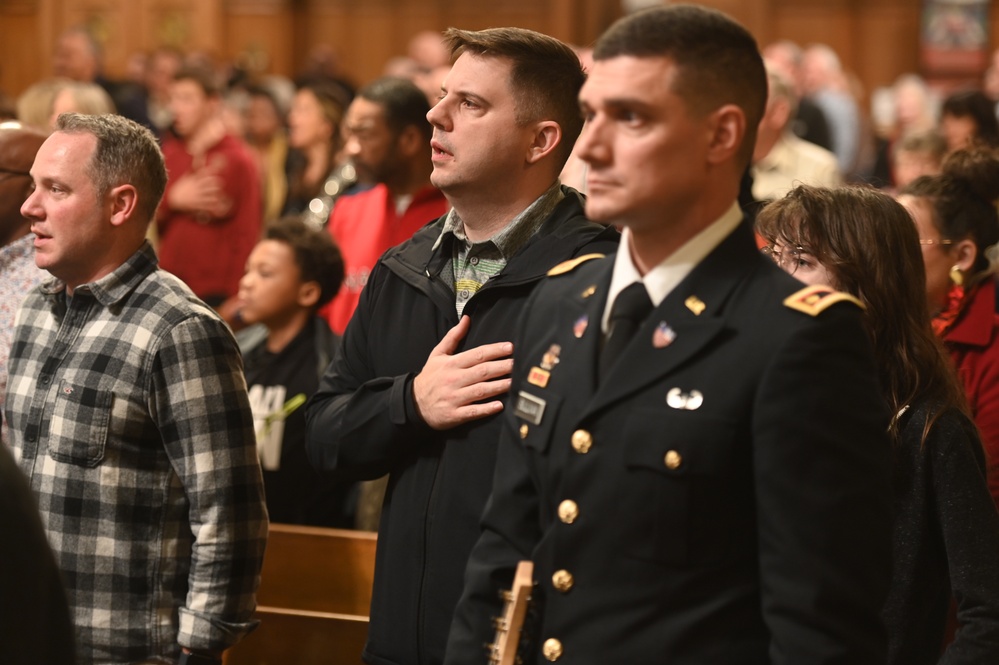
[[570, 265], [815, 299]]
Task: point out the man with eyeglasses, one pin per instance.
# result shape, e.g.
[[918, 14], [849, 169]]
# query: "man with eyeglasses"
[[18, 273]]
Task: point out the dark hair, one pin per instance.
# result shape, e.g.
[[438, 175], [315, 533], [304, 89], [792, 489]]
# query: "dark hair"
[[717, 60], [333, 100], [202, 76], [126, 153], [402, 102], [546, 75], [331, 96], [976, 105], [867, 240], [263, 92], [962, 200], [316, 254]]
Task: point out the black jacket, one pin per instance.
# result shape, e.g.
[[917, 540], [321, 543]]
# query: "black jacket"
[[362, 422], [730, 478], [945, 543]]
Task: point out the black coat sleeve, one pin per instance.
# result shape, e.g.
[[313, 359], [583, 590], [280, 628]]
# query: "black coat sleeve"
[[357, 423]]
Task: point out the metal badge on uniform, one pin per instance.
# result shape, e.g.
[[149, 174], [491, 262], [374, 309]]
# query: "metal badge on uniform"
[[538, 377], [678, 399], [550, 358], [695, 305], [663, 335], [529, 407], [589, 291], [579, 328]]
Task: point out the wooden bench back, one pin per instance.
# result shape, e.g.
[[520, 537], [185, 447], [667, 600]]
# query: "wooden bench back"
[[322, 570], [314, 598]]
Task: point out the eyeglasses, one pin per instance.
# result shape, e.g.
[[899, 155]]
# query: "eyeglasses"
[[931, 241], [13, 172], [787, 260]]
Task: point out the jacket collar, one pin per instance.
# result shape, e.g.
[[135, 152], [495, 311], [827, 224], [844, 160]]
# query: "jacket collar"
[[423, 255], [119, 283]]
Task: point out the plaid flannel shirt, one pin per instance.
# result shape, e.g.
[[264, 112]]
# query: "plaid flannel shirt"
[[128, 413]]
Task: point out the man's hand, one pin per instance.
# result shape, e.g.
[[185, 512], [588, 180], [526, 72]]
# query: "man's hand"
[[448, 388], [201, 192]]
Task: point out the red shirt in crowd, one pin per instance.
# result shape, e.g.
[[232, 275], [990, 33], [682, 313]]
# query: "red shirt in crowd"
[[364, 226], [209, 254]]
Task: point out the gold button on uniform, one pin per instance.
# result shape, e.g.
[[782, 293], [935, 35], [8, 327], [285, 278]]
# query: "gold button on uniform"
[[562, 580], [552, 649], [673, 460], [523, 431], [581, 441], [568, 511]]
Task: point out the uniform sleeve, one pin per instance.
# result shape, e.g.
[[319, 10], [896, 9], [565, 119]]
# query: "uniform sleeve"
[[969, 524], [821, 460], [358, 424], [204, 418], [511, 530]]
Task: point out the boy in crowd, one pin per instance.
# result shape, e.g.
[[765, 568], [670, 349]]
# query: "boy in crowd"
[[290, 274]]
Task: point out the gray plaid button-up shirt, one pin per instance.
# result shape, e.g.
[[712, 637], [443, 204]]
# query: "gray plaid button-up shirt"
[[128, 413]]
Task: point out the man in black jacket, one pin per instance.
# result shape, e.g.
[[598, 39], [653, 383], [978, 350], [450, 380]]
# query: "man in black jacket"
[[715, 486], [417, 387]]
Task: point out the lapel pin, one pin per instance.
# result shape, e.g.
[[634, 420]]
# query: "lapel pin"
[[550, 359], [663, 335], [695, 305], [678, 399], [579, 328], [589, 291], [538, 377]]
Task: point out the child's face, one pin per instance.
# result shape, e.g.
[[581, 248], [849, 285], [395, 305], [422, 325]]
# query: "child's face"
[[270, 291]]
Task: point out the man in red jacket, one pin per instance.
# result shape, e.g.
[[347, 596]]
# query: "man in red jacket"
[[210, 217], [387, 137]]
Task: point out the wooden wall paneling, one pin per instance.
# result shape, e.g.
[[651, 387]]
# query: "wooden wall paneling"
[[190, 25], [360, 36], [22, 61], [887, 42], [807, 23], [259, 37], [750, 13]]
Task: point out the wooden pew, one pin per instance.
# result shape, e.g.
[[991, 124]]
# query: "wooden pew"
[[314, 598]]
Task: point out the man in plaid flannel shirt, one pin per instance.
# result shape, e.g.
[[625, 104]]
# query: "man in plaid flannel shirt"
[[128, 414]]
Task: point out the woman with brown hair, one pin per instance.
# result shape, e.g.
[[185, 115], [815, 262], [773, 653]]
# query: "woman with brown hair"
[[315, 176], [958, 230], [946, 533]]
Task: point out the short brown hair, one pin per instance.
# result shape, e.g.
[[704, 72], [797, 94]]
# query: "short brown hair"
[[546, 75], [204, 77], [718, 61], [126, 153]]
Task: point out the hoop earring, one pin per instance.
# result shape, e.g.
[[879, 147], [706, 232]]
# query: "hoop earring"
[[956, 276]]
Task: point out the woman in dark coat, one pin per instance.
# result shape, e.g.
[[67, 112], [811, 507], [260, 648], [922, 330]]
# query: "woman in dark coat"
[[946, 532]]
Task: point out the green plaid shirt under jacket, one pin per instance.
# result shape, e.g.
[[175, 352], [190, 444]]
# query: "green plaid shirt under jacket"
[[128, 413]]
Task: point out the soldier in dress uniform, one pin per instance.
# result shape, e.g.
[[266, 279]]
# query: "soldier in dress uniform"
[[694, 452]]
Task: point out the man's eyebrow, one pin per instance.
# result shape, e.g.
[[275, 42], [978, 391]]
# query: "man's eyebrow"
[[618, 103]]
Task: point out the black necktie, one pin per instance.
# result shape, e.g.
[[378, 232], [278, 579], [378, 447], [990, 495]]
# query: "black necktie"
[[630, 308]]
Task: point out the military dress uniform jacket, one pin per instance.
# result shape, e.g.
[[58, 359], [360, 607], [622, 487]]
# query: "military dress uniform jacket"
[[362, 423], [722, 496]]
